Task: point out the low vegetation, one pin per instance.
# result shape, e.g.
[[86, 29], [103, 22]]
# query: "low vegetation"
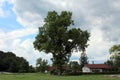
[[38, 76]]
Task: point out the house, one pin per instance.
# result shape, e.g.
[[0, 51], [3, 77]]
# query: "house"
[[51, 68], [95, 68]]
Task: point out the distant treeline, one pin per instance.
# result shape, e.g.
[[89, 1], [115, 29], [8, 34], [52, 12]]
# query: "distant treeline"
[[9, 62]]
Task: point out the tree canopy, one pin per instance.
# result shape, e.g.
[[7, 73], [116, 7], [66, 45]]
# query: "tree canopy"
[[115, 56], [10, 62], [115, 49], [42, 65], [57, 37], [74, 66]]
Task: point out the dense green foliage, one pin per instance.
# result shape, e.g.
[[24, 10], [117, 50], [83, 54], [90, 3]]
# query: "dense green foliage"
[[74, 66], [10, 62], [42, 65], [56, 37], [115, 57], [39, 76], [115, 49]]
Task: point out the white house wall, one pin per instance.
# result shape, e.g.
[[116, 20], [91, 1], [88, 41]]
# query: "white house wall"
[[86, 69]]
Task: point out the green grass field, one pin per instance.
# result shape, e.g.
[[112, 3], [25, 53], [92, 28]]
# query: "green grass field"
[[37, 76]]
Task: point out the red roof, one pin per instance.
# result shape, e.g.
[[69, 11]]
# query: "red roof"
[[50, 68], [53, 67], [98, 66]]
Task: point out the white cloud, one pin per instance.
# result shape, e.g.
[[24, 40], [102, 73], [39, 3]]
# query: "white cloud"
[[30, 20], [98, 49], [26, 49], [12, 41], [17, 33]]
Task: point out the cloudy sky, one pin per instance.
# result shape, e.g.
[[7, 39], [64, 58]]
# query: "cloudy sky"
[[20, 19]]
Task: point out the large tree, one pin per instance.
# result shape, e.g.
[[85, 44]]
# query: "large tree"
[[115, 56], [56, 37]]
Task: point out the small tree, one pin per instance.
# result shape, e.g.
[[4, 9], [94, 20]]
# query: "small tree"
[[115, 56], [74, 66], [56, 37], [32, 69], [41, 65], [83, 60]]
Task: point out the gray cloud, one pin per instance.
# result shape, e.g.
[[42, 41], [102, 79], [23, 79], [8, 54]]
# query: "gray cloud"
[[41, 7], [111, 29], [84, 13], [108, 11]]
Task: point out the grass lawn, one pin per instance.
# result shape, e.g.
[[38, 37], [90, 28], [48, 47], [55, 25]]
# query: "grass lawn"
[[38, 76]]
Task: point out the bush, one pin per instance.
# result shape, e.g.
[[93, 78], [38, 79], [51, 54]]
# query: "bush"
[[98, 73], [92, 73], [53, 72], [72, 73]]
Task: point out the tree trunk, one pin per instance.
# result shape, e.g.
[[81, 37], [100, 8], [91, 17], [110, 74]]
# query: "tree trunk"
[[59, 70]]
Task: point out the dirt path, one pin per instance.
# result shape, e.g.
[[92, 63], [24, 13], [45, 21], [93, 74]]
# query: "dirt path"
[[115, 75]]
